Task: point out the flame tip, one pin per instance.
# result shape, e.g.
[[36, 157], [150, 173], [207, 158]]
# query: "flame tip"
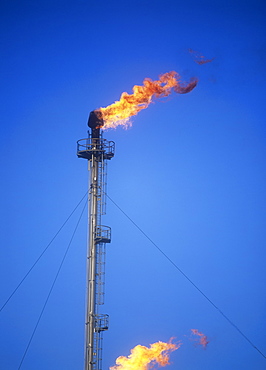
[[203, 338]]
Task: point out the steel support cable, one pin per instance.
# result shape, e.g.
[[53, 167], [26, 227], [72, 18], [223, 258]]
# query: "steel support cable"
[[40, 256], [52, 287], [191, 282]]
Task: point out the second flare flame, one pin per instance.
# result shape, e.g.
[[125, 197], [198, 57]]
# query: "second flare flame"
[[144, 358]]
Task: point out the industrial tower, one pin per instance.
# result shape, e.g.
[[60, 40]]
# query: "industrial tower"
[[97, 151]]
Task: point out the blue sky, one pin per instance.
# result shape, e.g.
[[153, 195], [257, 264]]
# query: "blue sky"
[[190, 172]]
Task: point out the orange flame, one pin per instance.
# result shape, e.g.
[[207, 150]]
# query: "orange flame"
[[119, 113], [144, 358], [203, 338]]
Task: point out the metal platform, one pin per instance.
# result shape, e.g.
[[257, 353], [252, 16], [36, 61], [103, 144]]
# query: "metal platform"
[[102, 234], [101, 322], [86, 148]]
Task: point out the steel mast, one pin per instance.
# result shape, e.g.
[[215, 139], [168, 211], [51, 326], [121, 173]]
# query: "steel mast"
[[97, 151]]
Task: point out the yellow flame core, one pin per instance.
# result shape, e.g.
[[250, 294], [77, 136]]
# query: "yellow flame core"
[[129, 105], [144, 358]]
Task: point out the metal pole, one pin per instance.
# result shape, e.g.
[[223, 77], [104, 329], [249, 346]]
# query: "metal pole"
[[91, 264], [97, 151]]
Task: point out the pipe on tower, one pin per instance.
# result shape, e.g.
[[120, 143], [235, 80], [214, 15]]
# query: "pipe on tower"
[[95, 122]]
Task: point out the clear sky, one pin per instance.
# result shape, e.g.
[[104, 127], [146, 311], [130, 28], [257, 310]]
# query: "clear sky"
[[190, 172]]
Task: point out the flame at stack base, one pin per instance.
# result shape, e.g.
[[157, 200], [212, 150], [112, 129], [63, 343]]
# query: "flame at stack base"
[[144, 358]]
